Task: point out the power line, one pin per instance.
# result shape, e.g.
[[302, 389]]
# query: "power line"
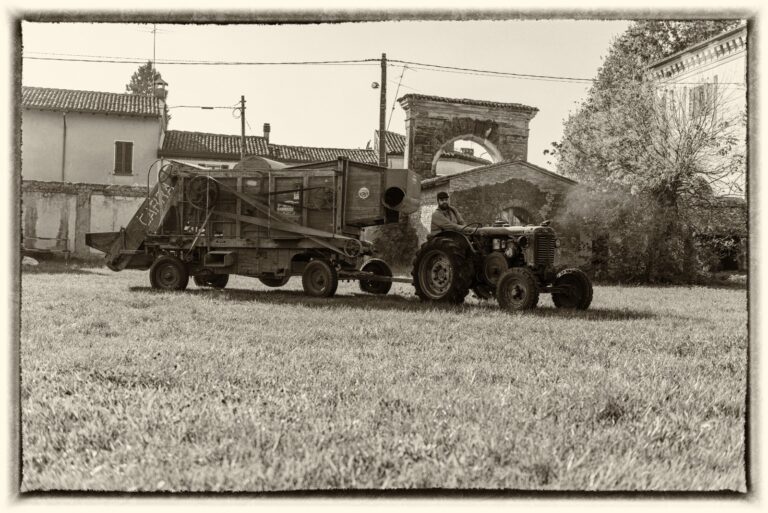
[[414, 66], [437, 67], [133, 60]]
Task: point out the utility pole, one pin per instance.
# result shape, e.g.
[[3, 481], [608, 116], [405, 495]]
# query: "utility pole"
[[383, 113], [154, 51], [242, 127]]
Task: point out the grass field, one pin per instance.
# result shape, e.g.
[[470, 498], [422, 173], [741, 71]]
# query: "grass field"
[[253, 389]]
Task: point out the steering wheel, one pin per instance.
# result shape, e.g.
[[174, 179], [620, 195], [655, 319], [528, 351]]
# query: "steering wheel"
[[471, 226]]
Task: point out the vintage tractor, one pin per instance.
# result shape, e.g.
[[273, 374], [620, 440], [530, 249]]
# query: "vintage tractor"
[[514, 264], [265, 220]]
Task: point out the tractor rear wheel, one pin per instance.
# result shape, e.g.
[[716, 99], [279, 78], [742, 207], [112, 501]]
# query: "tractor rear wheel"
[[272, 281], [577, 289], [320, 279], [442, 271], [378, 268], [217, 281], [169, 273], [518, 289]]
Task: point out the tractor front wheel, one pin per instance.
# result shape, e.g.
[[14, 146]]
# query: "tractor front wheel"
[[320, 279], [575, 289], [168, 273], [517, 290]]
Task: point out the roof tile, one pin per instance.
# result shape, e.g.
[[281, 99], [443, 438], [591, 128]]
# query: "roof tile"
[[44, 98]]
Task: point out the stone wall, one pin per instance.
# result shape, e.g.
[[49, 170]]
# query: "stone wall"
[[57, 215]]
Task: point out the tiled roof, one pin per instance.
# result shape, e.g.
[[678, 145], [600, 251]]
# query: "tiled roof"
[[182, 144], [44, 98], [309, 154], [464, 156], [439, 180], [178, 143], [467, 101], [395, 142]]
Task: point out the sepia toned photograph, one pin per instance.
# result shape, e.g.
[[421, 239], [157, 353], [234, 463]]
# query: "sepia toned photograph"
[[328, 252]]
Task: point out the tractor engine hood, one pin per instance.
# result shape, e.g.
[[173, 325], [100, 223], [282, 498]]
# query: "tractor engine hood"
[[514, 231]]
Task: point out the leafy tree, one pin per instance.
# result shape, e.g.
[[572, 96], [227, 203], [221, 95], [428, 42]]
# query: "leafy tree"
[[652, 146], [143, 82]]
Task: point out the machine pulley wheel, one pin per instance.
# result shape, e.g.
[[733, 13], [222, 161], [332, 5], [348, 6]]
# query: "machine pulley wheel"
[[165, 173], [352, 248], [320, 279], [202, 192], [378, 268]]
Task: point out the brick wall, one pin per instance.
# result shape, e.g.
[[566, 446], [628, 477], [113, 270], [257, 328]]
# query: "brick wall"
[[431, 125]]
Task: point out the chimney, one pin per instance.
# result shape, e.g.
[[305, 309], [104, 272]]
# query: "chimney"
[[267, 129]]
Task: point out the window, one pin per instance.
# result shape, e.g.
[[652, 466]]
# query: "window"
[[703, 99], [123, 158]]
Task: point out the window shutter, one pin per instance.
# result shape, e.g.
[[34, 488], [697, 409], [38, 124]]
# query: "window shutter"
[[118, 157], [123, 157], [128, 151]]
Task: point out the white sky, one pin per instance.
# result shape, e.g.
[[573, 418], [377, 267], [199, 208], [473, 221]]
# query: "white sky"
[[331, 106]]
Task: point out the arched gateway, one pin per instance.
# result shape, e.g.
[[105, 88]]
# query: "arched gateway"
[[432, 122]]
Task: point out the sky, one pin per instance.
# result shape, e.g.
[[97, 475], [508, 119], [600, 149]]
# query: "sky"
[[330, 105]]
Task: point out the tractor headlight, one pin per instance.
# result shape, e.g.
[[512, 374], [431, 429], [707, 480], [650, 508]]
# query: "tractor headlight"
[[523, 241], [557, 243]]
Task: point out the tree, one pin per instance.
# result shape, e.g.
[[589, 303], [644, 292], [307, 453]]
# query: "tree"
[[143, 82], [667, 152]]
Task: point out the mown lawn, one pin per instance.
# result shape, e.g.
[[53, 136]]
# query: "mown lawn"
[[253, 389]]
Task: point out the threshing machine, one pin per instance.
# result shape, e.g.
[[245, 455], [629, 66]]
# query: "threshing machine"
[[264, 220]]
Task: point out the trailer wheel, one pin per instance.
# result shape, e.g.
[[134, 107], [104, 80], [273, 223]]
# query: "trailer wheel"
[[378, 268], [320, 279], [441, 271], [168, 273], [517, 290], [578, 288], [271, 281], [217, 281]]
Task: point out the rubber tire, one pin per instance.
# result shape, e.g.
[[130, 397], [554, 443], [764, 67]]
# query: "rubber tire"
[[328, 273], [379, 268], [270, 281], [582, 296], [169, 263], [462, 270], [216, 281], [523, 278]]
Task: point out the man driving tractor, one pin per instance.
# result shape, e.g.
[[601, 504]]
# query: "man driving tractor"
[[445, 216]]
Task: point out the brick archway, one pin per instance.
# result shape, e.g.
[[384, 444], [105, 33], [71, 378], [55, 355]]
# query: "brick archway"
[[432, 122], [489, 147]]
